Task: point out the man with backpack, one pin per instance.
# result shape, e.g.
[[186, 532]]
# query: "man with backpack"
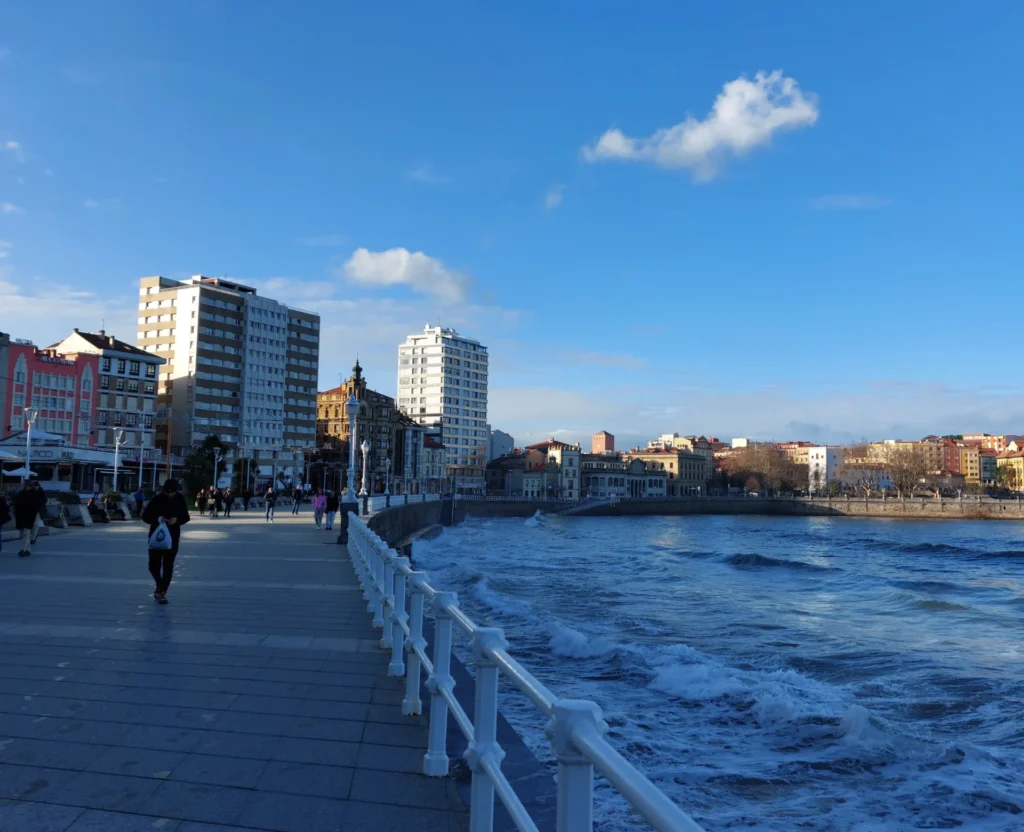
[[169, 507]]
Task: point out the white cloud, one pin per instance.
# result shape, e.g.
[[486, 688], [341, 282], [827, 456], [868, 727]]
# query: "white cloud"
[[746, 115], [92, 204], [425, 174], [95, 204], [322, 240], [5, 249], [15, 148], [47, 172], [849, 202], [553, 198], [34, 315], [10, 208], [5, 53], [399, 266]]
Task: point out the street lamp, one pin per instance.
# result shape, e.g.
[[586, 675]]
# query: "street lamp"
[[352, 412], [216, 460], [118, 442], [30, 420], [365, 448], [387, 477]]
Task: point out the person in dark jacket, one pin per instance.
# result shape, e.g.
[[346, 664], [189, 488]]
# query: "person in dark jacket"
[[297, 497], [229, 501], [218, 502], [332, 508], [270, 500], [246, 497], [28, 504], [170, 507], [201, 502]]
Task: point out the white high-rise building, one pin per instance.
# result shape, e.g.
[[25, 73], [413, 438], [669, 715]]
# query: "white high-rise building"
[[442, 381], [238, 365]]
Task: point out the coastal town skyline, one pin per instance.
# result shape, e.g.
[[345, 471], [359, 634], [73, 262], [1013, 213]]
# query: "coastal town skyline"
[[724, 243]]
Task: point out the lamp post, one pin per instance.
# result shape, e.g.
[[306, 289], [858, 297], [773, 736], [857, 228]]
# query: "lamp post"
[[387, 482], [118, 442], [365, 448], [216, 461], [349, 503], [30, 420]]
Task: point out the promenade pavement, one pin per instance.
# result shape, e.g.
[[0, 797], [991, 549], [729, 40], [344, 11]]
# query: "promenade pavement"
[[257, 699]]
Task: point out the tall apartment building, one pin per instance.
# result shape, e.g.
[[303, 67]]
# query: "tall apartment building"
[[238, 365], [442, 380]]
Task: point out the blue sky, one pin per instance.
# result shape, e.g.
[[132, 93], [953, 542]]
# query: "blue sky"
[[826, 254]]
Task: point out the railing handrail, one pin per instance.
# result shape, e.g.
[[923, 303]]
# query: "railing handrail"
[[396, 595]]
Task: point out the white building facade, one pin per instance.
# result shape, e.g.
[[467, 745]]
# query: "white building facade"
[[501, 444], [825, 465], [237, 365], [442, 380]]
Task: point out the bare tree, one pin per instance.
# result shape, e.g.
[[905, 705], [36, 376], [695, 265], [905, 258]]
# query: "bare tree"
[[906, 467], [816, 480]]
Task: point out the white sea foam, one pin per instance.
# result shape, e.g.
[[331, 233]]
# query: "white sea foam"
[[565, 641]]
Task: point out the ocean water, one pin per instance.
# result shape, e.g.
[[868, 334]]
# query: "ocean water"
[[772, 673]]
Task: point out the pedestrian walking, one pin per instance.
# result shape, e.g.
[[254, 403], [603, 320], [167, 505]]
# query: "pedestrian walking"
[[5, 517], [331, 509], [270, 500], [170, 507], [297, 496], [28, 504], [229, 498], [246, 497], [319, 506], [218, 502], [139, 497], [201, 502]]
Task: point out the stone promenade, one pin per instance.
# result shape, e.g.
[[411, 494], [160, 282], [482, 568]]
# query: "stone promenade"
[[257, 699]]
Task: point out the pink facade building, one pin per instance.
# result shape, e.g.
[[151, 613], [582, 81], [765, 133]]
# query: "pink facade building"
[[60, 390], [602, 442]]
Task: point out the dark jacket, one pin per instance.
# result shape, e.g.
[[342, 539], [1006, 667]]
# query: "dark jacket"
[[28, 503], [167, 505], [332, 502], [5, 510], [270, 498], [297, 495]]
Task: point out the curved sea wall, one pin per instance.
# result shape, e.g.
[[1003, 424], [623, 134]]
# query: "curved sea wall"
[[917, 508]]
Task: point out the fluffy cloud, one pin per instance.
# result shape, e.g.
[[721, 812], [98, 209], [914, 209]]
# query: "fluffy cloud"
[[746, 115], [10, 208], [5, 249], [92, 204], [849, 202], [553, 198], [399, 266], [15, 148]]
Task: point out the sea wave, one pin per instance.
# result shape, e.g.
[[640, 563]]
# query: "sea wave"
[[755, 561]]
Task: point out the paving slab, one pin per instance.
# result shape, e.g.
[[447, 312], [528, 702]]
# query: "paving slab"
[[257, 699]]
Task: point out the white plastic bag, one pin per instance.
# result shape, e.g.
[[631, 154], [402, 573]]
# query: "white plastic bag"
[[161, 537]]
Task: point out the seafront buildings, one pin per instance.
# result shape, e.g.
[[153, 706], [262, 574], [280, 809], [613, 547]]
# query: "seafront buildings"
[[237, 365], [397, 461], [442, 384]]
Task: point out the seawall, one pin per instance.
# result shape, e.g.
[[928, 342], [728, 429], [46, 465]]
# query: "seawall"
[[916, 508]]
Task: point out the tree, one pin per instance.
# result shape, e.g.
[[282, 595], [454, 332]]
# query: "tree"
[[1006, 477], [865, 477], [905, 465], [199, 464]]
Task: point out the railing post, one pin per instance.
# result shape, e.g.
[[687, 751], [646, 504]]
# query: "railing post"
[[411, 705], [485, 728], [575, 772], [387, 602], [435, 761], [398, 619], [377, 597]]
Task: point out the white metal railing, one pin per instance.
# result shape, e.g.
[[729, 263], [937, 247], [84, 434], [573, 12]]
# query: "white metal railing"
[[379, 502], [516, 499], [396, 594], [586, 504]]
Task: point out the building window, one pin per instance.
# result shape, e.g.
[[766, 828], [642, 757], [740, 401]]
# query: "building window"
[[133, 386], [149, 388], [121, 365], [118, 417], [105, 365], [120, 385]]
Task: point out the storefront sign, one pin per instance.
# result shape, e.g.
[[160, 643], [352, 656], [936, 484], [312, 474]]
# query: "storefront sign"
[[50, 360]]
